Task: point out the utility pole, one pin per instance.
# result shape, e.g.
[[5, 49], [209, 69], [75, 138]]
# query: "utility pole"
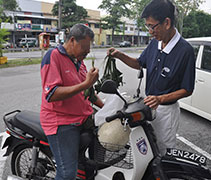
[[59, 14]]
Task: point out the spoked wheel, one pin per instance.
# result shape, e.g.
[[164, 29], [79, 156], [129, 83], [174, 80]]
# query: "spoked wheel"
[[21, 160]]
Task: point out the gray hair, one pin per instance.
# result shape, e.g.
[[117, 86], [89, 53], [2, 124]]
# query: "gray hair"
[[80, 31]]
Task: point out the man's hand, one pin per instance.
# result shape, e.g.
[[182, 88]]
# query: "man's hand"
[[152, 101], [113, 52], [92, 76]]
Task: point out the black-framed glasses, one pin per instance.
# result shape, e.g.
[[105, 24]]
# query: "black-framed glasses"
[[150, 27]]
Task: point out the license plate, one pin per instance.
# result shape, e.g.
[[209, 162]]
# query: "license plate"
[[186, 155]]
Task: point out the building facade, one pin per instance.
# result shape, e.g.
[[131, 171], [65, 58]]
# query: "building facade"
[[35, 17]]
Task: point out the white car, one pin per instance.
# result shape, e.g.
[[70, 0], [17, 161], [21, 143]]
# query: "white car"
[[200, 101], [53, 44], [6, 45]]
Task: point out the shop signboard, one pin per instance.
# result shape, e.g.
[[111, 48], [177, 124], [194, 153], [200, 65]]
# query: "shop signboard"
[[24, 25]]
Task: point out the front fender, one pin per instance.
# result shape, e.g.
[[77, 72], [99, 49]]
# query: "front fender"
[[11, 143], [185, 167]]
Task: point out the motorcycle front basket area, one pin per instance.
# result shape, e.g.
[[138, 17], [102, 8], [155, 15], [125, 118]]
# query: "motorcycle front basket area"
[[113, 155]]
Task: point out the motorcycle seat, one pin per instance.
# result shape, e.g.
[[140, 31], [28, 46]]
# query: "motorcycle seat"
[[29, 122]]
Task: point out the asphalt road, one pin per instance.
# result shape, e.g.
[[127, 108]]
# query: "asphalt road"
[[20, 88]]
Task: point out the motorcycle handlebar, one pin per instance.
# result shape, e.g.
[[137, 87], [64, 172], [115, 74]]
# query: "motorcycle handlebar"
[[112, 117]]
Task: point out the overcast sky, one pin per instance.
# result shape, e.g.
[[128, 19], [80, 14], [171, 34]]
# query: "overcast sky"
[[93, 4]]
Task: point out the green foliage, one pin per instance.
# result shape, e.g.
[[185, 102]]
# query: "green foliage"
[[10, 5], [197, 24], [184, 7], [137, 9], [5, 5], [110, 72], [71, 13], [21, 62], [1, 8], [3, 34], [115, 10]]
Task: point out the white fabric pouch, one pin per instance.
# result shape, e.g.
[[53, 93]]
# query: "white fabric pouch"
[[112, 104]]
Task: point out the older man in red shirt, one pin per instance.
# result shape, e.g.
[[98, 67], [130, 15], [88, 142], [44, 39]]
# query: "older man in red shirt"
[[64, 108]]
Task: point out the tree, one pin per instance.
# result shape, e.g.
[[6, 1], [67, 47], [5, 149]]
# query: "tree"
[[115, 10], [183, 8], [137, 9], [196, 24], [71, 13], [3, 32], [10, 5]]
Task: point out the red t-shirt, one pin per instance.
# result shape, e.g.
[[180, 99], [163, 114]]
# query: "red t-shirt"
[[57, 69]]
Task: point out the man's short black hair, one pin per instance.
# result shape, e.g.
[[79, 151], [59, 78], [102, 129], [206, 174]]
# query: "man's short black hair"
[[80, 31], [160, 10]]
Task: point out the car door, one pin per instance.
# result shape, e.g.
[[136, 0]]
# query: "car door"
[[201, 97], [198, 50]]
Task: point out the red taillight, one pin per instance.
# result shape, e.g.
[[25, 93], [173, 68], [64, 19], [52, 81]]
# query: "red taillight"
[[44, 143], [8, 132]]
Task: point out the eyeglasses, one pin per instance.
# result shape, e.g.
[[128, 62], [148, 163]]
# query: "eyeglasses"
[[150, 27]]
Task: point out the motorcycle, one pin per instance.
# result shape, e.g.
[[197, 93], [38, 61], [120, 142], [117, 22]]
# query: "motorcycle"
[[138, 159]]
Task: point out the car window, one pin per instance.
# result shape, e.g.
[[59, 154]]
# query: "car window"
[[196, 49], [206, 58]]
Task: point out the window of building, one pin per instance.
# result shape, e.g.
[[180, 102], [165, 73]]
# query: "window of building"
[[97, 25], [36, 21], [48, 21]]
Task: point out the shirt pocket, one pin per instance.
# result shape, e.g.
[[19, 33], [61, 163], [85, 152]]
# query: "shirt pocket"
[[163, 82]]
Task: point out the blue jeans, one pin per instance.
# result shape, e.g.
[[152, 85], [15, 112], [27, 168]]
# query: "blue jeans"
[[65, 146]]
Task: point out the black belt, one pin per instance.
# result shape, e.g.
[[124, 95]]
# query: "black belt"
[[168, 103]]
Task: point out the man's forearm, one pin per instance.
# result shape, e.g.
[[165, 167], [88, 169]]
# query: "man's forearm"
[[132, 62], [174, 96]]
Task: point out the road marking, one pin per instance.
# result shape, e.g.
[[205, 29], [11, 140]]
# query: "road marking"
[[194, 147]]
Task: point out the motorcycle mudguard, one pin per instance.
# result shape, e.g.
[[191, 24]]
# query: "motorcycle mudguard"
[[11, 143], [185, 167]]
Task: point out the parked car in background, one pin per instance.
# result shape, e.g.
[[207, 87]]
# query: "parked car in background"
[[53, 44], [32, 42], [6, 45], [200, 101], [125, 44]]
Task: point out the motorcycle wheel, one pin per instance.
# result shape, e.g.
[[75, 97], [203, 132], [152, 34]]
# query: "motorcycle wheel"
[[175, 176], [21, 160]]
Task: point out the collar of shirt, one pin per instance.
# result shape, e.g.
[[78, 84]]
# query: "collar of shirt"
[[62, 50], [170, 44]]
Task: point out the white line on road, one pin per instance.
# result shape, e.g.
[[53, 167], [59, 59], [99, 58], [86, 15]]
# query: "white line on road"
[[193, 146]]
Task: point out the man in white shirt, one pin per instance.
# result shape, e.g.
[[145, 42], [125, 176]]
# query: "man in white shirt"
[[170, 64]]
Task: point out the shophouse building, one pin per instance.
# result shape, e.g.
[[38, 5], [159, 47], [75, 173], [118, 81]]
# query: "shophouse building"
[[35, 17], [32, 18]]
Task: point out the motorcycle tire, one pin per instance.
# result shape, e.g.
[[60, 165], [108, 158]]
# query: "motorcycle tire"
[[183, 177], [21, 159], [175, 176]]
